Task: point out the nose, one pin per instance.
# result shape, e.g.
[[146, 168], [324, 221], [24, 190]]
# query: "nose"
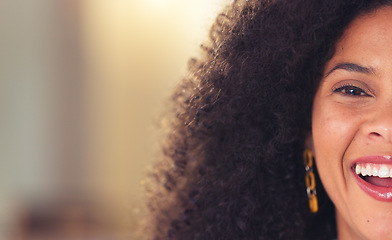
[[378, 126]]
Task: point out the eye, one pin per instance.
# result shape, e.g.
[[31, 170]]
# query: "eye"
[[351, 91]]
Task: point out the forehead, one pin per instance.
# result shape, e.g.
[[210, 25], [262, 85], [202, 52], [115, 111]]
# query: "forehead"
[[368, 39], [369, 28], [377, 23]]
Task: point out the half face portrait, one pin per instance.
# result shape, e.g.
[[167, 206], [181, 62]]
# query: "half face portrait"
[[352, 128]]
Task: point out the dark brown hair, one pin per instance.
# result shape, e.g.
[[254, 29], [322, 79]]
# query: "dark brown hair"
[[232, 163]]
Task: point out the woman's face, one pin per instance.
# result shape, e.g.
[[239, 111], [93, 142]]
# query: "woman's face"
[[352, 128]]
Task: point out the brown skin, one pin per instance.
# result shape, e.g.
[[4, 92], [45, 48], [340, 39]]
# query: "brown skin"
[[346, 127]]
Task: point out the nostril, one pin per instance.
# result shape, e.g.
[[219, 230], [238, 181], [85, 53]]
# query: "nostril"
[[378, 131], [375, 133]]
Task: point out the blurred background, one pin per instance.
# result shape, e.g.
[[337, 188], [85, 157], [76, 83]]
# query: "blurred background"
[[82, 86]]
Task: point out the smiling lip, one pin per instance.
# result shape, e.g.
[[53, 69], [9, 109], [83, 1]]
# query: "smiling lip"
[[381, 193]]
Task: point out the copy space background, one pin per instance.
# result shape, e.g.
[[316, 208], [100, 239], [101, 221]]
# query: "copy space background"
[[82, 86]]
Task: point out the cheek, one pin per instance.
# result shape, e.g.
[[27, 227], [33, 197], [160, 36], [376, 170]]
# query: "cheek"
[[332, 130]]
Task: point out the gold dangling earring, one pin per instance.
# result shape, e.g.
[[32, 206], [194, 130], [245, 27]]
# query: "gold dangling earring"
[[310, 181]]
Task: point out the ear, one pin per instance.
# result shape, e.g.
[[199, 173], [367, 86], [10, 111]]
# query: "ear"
[[309, 141]]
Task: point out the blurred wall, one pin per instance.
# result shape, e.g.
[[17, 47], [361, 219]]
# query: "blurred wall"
[[39, 91], [82, 86], [136, 51]]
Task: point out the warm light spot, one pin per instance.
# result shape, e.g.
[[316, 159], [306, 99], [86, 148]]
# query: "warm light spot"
[[156, 3], [135, 52]]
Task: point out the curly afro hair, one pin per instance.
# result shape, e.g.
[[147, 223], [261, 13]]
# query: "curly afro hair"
[[232, 163]]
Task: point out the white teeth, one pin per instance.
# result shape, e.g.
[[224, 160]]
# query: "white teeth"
[[375, 171], [369, 170], [366, 170], [358, 169], [372, 169], [363, 171], [383, 172]]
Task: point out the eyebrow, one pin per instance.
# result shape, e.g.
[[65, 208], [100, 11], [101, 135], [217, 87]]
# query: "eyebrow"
[[352, 67]]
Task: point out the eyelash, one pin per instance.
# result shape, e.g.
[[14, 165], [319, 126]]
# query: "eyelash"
[[354, 91]]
